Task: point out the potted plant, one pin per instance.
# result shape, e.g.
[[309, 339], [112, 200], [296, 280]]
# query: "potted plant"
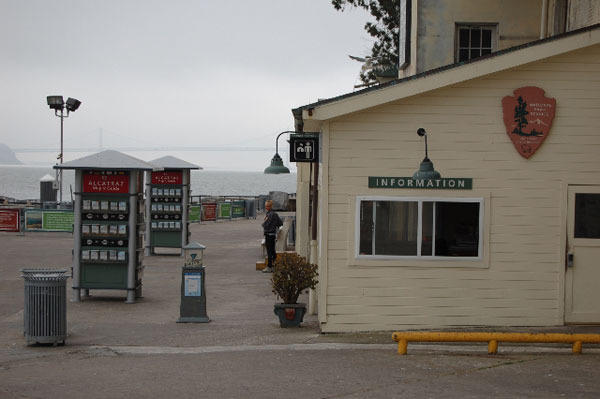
[[293, 274]]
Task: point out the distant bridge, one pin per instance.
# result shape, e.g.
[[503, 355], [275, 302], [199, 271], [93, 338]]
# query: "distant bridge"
[[138, 149]]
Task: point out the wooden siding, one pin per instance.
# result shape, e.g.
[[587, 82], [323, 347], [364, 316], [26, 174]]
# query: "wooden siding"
[[522, 283]]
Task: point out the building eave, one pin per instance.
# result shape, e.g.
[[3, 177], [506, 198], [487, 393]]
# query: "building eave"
[[450, 74]]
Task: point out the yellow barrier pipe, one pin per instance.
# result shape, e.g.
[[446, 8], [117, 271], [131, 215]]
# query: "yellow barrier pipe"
[[493, 338]]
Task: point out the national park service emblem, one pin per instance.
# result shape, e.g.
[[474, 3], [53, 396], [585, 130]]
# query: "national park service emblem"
[[528, 116]]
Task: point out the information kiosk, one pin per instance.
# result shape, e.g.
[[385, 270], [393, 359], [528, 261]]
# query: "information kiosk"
[[108, 223], [168, 193]]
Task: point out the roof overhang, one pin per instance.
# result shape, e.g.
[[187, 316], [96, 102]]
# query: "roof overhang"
[[449, 75]]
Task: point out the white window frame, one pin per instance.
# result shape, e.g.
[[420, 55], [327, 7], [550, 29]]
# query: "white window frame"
[[420, 200], [491, 26]]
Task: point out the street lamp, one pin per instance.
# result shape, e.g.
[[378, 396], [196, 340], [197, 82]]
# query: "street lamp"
[[276, 166], [57, 104]]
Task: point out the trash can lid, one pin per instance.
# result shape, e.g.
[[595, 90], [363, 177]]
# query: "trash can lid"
[[44, 274]]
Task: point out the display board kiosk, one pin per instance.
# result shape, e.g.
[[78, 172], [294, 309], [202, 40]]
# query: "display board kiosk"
[[108, 223], [168, 194]]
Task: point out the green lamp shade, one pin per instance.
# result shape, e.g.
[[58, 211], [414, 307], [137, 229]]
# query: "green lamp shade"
[[276, 166], [426, 171]]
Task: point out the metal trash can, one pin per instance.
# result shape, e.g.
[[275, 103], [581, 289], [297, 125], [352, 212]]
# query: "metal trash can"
[[45, 315]]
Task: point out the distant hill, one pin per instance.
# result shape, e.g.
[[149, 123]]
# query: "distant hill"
[[7, 156]]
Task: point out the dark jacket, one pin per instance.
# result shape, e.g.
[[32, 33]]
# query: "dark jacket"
[[272, 221]]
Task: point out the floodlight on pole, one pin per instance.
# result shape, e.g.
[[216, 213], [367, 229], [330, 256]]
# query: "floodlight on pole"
[[58, 104]]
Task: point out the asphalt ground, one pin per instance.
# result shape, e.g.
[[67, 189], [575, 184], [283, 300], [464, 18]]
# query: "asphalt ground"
[[119, 350]]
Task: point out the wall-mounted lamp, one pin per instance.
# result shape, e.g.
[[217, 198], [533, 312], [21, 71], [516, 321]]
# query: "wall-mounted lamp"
[[276, 166], [426, 170]]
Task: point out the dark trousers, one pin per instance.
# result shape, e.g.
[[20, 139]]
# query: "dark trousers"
[[270, 244]]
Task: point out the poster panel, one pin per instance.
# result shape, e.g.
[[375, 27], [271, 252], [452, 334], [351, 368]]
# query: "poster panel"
[[209, 211], [10, 220], [49, 220], [194, 213], [224, 210], [238, 209]]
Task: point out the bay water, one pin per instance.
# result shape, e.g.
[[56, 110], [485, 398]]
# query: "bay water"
[[23, 182]]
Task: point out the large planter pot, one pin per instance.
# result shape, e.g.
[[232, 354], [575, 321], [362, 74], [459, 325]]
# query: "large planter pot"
[[290, 315]]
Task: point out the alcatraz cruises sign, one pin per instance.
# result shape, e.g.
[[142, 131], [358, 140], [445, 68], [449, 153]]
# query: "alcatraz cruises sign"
[[450, 183], [105, 182]]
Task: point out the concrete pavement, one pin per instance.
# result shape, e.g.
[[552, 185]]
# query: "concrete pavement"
[[119, 350]]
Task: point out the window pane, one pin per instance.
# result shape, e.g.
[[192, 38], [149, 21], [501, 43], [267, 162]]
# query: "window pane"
[[475, 53], [587, 215], [457, 229], [463, 37], [486, 38], [485, 51], [396, 228], [366, 228], [463, 55], [475, 37], [427, 230]]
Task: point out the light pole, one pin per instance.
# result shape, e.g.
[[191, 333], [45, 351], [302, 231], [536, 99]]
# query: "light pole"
[[276, 166], [57, 104]]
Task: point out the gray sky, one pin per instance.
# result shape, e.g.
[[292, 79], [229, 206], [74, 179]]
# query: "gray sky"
[[171, 73]]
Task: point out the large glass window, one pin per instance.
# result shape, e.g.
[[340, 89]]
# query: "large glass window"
[[420, 227]]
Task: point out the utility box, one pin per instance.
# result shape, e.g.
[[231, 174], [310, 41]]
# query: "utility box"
[[47, 189], [108, 223], [167, 208]]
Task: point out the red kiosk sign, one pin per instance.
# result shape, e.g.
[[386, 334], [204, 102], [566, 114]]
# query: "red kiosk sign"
[[9, 220], [167, 177], [105, 182], [528, 116]]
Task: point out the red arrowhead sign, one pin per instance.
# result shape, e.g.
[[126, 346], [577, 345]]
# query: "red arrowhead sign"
[[528, 116]]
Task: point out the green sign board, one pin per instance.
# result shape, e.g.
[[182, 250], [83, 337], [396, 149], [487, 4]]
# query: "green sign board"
[[194, 213], [49, 220], [239, 209], [58, 221], [448, 183], [224, 210]]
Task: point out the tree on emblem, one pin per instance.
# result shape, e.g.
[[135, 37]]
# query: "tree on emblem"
[[520, 117], [520, 113]]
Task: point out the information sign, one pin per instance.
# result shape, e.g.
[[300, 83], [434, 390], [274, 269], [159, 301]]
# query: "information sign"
[[452, 183], [193, 284], [10, 220]]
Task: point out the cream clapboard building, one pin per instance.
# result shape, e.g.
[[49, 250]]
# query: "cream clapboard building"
[[518, 245]]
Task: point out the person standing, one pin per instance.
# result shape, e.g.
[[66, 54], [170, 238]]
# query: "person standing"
[[271, 223]]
